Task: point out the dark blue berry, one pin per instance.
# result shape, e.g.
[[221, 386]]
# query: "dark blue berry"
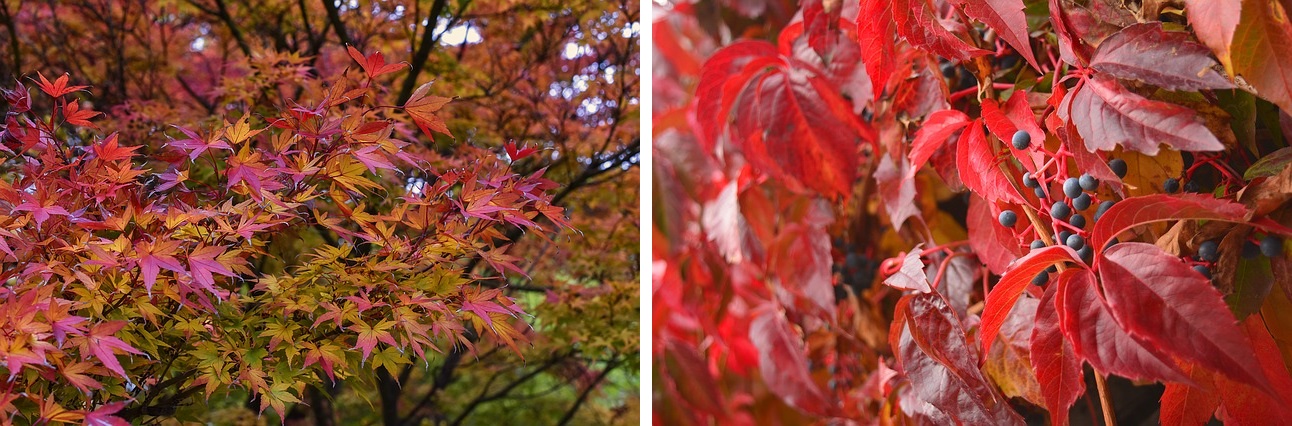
[[1119, 167], [1041, 279], [1192, 187], [1071, 188], [1075, 242], [1036, 244], [1086, 253], [1209, 251], [1271, 246], [1008, 218], [1022, 140], [1060, 211], [1082, 202], [1250, 250], [1103, 207], [1171, 186], [1089, 182], [1030, 181], [1063, 237], [1039, 192], [1203, 269], [1077, 221]]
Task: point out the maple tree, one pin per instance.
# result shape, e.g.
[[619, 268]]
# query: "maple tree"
[[972, 211], [319, 212]]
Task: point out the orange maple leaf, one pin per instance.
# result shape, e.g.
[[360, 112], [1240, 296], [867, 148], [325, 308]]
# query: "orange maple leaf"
[[422, 108]]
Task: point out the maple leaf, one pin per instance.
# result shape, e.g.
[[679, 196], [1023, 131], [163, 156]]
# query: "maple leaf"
[[171, 179], [102, 344], [58, 88], [375, 64], [194, 145], [278, 396], [369, 335], [40, 209], [75, 374], [326, 356], [481, 304], [349, 173], [373, 157], [154, 256], [110, 150], [204, 261], [103, 415], [246, 167], [74, 115], [517, 154], [421, 107]]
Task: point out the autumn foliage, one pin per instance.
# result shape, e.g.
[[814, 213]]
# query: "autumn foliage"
[[972, 211], [112, 257]]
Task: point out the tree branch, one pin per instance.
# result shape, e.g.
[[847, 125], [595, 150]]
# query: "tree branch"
[[423, 51], [334, 16], [583, 396]]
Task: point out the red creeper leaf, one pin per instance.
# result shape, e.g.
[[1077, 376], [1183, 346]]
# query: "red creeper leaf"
[[1008, 19], [979, 167], [1002, 297], [1165, 304], [1167, 59], [1097, 338], [1106, 115], [1058, 370]]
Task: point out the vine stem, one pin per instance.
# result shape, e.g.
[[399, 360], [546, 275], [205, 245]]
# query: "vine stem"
[[1104, 401]]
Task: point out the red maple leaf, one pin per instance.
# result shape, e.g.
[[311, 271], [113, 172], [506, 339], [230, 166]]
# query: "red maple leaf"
[[101, 343], [422, 108], [155, 256], [375, 64], [195, 145], [204, 261], [73, 113], [111, 150], [517, 154], [370, 335], [58, 88]]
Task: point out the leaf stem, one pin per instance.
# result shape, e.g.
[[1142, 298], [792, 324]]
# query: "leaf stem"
[[1104, 401]]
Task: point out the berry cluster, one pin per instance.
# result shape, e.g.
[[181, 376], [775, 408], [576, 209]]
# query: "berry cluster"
[[1069, 225], [1209, 252]]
